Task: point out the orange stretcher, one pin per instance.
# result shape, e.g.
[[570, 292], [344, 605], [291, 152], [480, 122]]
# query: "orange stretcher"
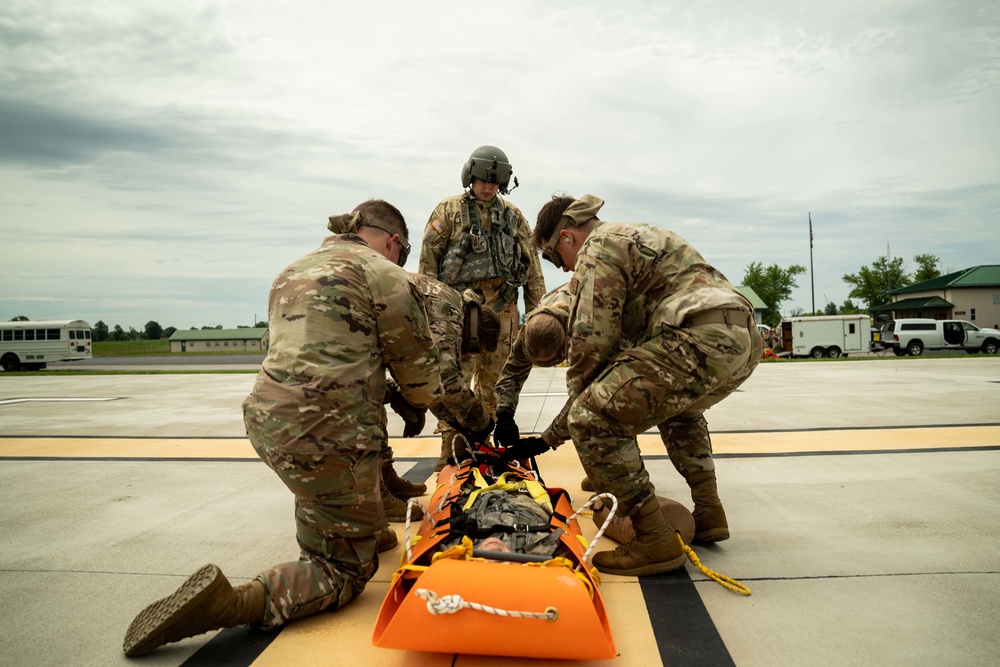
[[460, 599]]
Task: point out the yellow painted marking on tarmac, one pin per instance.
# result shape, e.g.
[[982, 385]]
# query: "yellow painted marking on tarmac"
[[165, 448], [841, 440], [407, 448]]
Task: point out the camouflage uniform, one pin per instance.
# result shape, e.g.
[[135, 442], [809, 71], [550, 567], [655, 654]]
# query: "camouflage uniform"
[[518, 366], [636, 361], [446, 231], [338, 317], [446, 318]]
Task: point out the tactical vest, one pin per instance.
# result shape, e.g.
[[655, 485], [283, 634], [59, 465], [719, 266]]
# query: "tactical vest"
[[486, 255]]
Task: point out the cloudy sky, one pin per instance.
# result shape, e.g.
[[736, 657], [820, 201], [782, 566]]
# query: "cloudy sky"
[[165, 160]]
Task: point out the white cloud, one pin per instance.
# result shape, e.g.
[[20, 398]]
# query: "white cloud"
[[174, 157]]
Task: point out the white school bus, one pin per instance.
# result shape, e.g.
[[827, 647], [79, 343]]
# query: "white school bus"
[[30, 345]]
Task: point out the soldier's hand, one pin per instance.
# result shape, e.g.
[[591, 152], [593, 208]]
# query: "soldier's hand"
[[525, 448], [413, 426], [412, 416], [476, 436], [506, 433]]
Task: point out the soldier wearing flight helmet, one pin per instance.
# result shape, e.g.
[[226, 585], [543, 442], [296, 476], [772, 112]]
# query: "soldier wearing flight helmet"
[[478, 241]]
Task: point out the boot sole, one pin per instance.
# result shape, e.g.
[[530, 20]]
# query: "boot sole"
[[652, 568], [147, 629], [713, 535]]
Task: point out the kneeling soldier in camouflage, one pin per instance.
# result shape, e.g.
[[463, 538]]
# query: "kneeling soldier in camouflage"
[[339, 318], [462, 329], [657, 336]]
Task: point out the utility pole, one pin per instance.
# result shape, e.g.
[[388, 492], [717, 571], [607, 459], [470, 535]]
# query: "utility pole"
[[812, 277]]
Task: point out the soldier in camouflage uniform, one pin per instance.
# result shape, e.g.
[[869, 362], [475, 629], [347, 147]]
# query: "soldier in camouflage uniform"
[[515, 371], [461, 329], [339, 318], [478, 241], [657, 336]]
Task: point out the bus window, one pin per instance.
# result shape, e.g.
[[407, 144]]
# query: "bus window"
[[53, 334], [86, 334], [18, 334], [72, 335], [8, 334], [29, 334]]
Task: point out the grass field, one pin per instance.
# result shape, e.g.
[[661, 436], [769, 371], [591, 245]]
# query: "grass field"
[[131, 348]]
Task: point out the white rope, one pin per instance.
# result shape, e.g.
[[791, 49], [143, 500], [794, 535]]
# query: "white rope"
[[409, 507], [607, 522], [450, 604]]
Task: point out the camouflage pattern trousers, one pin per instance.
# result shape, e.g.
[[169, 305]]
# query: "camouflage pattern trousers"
[[667, 382], [484, 371], [337, 507]]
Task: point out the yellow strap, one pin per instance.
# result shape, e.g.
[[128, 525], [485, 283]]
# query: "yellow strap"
[[463, 550], [537, 491], [721, 579]]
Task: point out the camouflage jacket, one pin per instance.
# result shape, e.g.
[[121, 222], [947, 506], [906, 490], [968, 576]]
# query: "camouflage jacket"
[[445, 316], [340, 317], [446, 228], [518, 366], [631, 282]]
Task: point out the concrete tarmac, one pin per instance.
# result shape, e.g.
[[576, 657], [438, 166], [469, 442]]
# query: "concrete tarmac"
[[863, 499]]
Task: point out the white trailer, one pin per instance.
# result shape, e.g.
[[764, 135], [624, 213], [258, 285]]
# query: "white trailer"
[[826, 335]]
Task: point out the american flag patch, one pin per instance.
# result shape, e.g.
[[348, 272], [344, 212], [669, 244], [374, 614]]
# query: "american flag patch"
[[438, 227]]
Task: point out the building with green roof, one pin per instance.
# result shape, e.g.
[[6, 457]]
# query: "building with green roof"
[[759, 307], [972, 295], [251, 339]]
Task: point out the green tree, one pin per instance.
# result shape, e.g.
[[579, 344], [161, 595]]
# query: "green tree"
[[927, 268], [773, 285], [261, 325], [20, 318], [830, 308], [134, 334], [849, 308], [873, 284], [100, 331], [153, 330], [169, 331], [118, 333]]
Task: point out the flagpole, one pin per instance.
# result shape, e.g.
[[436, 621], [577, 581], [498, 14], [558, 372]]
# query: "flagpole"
[[812, 277]]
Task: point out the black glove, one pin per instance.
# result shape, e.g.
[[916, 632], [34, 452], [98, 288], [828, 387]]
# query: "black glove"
[[525, 448], [476, 436], [506, 433], [413, 417]]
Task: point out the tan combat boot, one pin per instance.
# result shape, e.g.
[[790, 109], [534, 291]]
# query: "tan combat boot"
[[654, 548], [386, 538], [395, 509], [587, 485], [710, 523], [398, 486], [206, 601]]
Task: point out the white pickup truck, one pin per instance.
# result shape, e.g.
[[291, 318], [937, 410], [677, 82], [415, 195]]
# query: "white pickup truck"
[[913, 336]]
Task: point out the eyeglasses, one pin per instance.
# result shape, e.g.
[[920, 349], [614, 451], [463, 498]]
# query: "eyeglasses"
[[404, 250], [549, 251]]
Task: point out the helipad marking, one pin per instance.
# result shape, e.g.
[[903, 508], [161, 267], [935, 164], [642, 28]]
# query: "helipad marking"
[[12, 401]]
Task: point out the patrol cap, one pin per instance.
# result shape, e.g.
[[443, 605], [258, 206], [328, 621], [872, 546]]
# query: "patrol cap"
[[577, 213], [349, 223]]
